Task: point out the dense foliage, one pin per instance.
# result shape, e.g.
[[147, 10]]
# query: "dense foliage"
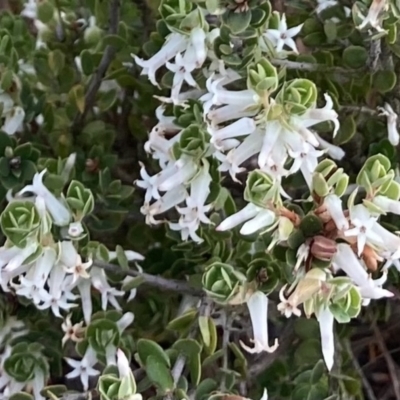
[[199, 199]]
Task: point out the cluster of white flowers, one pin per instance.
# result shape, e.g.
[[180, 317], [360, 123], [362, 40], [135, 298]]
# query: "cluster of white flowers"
[[237, 126], [365, 243], [53, 276]]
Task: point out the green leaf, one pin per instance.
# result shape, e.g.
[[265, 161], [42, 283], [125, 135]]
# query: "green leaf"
[[237, 21], [121, 257], [159, 374], [355, 56], [77, 95], [183, 322], [88, 66], [56, 60], [115, 41], [191, 349], [346, 131], [317, 372], [147, 348], [21, 396], [384, 81], [45, 11]]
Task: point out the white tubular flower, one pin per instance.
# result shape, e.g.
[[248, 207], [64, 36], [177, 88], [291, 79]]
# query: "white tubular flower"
[[170, 200], [196, 210], [84, 368], [391, 116], [69, 164], [390, 241], [373, 17], [283, 36], [129, 254], [199, 191], [227, 113], [175, 43], [265, 395], [182, 70], [84, 288], [198, 48], [315, 115], [392, 258], [30, 9], [363, 224], [185, 170], [306, 161], [72, 332], [241, 127], [333, 205], [258, 308], [386, 204], [124, 368], [332, 150], [324, 4], [108, 293], [346, 260], [11, 258], [256, 217], [218, 95], [14, 119], [72, 262], [272, 137], [326, 320], [237, 156], [38, 383], [75, 229], [58, 211]]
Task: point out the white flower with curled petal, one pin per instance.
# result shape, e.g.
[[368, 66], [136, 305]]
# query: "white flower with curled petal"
[[315, 116], [326, 320], [392, 117], [306, 161], [324, 4], [182, 70], [75, 229], [241, 127], [83, 368], [174, 44], [334, 207], [374, 16], [58, 211], [362, 227], [13, 120], [283, 36], [73, 332], [258, 308]]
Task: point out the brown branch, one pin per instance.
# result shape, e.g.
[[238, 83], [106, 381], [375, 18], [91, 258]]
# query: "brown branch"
[[304, 66], [153, 280], [267, 359], [368, 389], [393, 370], [105, 62]]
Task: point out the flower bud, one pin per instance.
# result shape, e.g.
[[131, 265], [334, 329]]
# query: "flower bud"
[[323, 248]]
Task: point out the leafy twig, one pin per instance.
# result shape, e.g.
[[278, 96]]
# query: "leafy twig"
[[153, 280], [393, 371], [180, 362], [105, 62]]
